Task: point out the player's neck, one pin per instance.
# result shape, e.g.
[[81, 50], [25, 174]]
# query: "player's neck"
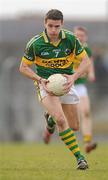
[[54, 40]]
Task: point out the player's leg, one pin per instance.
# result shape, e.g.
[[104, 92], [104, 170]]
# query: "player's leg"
[[53, 106], [49, 127], [86, 123], [50, 123], [86, 120], [70, 108], [72, 114]]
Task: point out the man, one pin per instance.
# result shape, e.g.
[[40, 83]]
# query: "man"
[[84, 105], [52, 52], [80, 85]]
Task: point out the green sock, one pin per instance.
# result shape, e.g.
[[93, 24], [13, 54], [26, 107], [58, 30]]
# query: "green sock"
[[51, 121], [70, 141], [50, 124]]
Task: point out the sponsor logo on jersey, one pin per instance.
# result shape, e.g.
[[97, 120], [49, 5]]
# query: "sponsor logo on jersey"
[[56, 63], [44, 53]]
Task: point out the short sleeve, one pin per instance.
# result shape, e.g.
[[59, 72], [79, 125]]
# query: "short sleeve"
[[78, 47], [89, 51], [29, 52], [29, 56]]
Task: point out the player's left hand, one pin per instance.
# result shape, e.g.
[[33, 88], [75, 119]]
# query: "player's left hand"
[[69, 83]]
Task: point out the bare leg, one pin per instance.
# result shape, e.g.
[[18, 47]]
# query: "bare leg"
[[54, 108], [85, 114], [72, 114], [86, 124]]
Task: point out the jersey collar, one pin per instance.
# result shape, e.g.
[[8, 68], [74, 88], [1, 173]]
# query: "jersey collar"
[[46, 38]]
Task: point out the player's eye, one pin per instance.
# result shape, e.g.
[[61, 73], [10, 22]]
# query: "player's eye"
[[50, 25], [57, 26]]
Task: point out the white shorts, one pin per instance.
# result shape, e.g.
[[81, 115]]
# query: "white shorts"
[[81, 90], [70, 98]]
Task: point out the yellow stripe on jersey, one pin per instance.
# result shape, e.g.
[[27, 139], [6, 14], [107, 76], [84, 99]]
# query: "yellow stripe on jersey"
[[80, 56], [45, 37], [63, 62], [27, 61], [38, 90], [77, 60], [63, 34]]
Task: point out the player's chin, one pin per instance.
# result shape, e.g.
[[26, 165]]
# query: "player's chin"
[[54, 35]]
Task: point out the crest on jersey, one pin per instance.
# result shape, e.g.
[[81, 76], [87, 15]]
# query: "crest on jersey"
[[67, 51]]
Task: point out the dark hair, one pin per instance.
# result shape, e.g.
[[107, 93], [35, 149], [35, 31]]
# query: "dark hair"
[[54, 14], [80, 28]]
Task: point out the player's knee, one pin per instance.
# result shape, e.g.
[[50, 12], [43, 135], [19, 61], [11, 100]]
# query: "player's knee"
[[75, 127], [60, 120], [87, 113]]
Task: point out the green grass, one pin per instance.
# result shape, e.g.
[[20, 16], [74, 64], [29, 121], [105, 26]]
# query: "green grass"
[[53, 162]]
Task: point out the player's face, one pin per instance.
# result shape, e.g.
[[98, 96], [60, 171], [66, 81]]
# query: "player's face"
[[53, 28], [81, 35]]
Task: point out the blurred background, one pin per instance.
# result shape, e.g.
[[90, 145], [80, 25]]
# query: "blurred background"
[[21, 115]]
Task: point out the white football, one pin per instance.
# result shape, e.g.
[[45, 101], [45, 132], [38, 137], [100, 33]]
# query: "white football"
[[55, 84]]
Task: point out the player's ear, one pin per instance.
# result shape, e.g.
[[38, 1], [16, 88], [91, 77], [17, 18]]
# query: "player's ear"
[[62, 22], [45, 23]]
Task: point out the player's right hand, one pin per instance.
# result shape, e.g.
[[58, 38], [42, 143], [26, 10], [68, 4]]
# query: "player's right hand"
[[44, 84]]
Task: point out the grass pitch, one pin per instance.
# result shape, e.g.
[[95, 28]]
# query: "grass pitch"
[[49, 162]]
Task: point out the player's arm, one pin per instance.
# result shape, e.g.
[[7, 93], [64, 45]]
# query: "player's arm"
[[26, 69], [91, 71], [84, 65], [28, 72], [27, 61], [83, 58]]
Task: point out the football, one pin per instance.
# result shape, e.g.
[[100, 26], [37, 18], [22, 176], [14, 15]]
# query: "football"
[[55, 84]]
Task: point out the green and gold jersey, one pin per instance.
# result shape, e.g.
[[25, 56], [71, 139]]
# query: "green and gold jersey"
[[50, 58], [83, 80]]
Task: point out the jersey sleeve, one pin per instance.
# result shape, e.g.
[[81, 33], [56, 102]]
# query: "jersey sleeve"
[[29, 56], [89, 51], [80, 52], [78, 47]]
